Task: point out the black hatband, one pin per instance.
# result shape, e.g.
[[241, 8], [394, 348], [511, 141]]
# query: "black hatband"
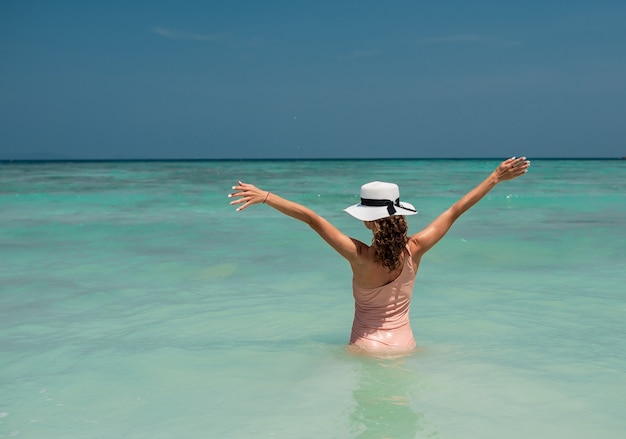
[[391, 205]]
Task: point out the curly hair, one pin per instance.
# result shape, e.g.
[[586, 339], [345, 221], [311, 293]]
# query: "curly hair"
[[390, 238]]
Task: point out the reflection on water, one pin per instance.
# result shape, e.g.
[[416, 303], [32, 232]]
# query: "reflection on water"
[[382, 397]]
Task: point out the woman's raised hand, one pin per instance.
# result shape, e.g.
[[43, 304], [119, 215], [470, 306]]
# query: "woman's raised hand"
[[511, 168], [249, 194]]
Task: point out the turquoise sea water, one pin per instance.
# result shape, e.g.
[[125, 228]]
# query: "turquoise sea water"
[[136, 303]]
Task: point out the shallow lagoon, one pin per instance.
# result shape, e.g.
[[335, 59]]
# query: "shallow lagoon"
[[135, 302]]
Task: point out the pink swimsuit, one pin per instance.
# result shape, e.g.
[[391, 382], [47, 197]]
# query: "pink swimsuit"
[[381, 315]]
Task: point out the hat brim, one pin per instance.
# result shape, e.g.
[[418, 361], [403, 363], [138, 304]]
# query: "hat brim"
[[369, 213]]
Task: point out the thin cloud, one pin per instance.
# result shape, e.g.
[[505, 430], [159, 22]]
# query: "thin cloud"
[[361, 54], [181, 35], [461, 39], [452, 39]]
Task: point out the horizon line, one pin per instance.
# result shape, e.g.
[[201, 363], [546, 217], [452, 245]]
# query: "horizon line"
[[287, 159]]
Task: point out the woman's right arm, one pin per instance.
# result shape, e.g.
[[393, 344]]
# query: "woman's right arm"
[[249, 194], [423, 241]]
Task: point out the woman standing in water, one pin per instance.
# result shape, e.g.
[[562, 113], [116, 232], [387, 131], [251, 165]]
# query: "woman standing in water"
[[383, 272]]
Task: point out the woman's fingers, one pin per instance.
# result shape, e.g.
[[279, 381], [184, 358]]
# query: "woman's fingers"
[[519, 166], [240, 208], [247, 194], [512, 168], [245, 200]]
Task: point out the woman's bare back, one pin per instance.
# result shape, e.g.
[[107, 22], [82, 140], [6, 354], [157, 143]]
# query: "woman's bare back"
[[369, 273]]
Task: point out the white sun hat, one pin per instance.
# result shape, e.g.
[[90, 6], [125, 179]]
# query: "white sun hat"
[[380, 200]]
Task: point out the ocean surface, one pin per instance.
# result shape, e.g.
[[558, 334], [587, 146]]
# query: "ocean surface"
[[135, 302]]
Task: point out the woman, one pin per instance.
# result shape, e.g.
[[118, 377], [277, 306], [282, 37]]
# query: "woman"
[[383, 272]]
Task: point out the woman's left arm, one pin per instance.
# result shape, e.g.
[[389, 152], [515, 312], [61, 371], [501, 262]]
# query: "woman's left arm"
[[423, 241], [249, 194]]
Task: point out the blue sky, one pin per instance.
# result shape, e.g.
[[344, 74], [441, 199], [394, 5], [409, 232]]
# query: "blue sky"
[[303, 79]]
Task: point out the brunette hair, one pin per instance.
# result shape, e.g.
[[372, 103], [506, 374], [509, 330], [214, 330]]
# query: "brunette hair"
[[390, 238]]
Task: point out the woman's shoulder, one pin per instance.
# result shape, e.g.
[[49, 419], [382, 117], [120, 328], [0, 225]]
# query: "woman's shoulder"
[[415, 248], [366, 252]]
